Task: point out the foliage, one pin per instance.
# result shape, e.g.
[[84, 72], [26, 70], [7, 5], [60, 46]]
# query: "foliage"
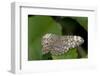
[[40, 25], [37, 27]]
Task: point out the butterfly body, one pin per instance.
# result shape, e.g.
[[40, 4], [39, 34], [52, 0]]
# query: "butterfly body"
[[57, 45]]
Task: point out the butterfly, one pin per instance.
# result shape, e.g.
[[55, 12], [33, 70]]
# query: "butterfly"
[[57, 44]]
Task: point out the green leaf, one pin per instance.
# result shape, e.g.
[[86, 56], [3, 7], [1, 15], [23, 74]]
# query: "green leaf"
[[71, 54], [47, 56], [37, 27], [83, 21]]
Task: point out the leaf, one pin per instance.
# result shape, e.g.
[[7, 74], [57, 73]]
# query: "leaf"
[[71, 54], [83, 21], [37, 27], [47, 56]]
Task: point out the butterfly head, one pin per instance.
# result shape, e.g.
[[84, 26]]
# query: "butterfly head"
[[78, 40]]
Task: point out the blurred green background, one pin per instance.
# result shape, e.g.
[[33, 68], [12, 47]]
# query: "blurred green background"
[[40, 25]]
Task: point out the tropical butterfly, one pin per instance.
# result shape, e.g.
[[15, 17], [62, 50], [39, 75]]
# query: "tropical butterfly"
[[57, 45]]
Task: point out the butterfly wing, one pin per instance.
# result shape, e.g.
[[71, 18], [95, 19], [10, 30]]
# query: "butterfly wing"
[[58, 45]]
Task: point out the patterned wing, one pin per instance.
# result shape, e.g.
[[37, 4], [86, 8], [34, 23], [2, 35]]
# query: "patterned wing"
[[48, 41], [58, 45]]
